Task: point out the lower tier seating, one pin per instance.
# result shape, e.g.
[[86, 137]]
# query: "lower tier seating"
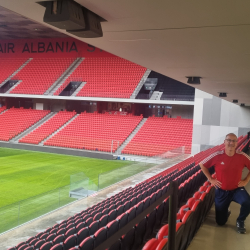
[[16, 120], [91, 227], [2, 109], [93, 131], [47, 128], [161, 134]]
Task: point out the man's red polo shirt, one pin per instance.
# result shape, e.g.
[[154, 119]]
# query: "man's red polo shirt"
[[228, 169]]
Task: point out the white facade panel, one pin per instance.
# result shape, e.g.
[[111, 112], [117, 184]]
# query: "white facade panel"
[[39, 106]]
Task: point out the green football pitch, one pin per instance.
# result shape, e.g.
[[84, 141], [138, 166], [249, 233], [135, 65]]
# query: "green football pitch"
[[32, 182]]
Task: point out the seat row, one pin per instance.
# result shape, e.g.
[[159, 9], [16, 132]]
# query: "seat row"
[[88, 222], [135, 237], [9, 66], [189, 219], [93, 131], [159, 135], [16, 120], [88, 226], [39, 74], [47, 128], [102, 75]]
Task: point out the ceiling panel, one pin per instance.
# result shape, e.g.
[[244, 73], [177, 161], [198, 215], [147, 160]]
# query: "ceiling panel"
[[15, 26], [175, 38]]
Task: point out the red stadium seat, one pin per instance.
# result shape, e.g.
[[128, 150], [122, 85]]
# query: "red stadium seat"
[[106, 77], [94, 131], [159, 135], [39, 74], [24, 118]]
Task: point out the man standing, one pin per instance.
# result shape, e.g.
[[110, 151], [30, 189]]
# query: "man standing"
[[228, 184]]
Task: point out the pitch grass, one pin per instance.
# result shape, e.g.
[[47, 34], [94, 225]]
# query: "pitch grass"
[[25, 174]]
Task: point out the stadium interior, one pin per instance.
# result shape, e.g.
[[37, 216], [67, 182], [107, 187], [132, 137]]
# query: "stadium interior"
[[99, 134]]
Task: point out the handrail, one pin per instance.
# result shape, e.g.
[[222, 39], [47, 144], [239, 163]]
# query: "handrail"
[[173, 193]]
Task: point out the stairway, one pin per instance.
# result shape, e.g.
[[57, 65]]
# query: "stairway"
[[130, 137], [28, 130], [58, 83], [140, 84], [79, 88], [3, 111], [7, 92], [15, 73], [63, 126], [156, 95]]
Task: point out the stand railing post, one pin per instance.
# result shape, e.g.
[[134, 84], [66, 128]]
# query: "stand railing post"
[[173, 199], [112, 147]]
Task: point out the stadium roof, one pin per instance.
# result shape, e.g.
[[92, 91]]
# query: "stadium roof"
[[209, 39]]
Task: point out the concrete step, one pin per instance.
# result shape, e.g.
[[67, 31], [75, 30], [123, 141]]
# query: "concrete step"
[[16, 72], [3, 111], [64, 125], [36, 125], [7, 92], [58, 83], [130, 137], [140, 84], [79, 88], [156, 95]]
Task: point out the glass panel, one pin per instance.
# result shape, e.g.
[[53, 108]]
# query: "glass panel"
[[31, 208], [109, 178], [9, 217]]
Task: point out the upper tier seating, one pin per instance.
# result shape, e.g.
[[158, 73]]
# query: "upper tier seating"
[[9, 66], [161, 134], [39, 74], [47, 128], [93, 131], [14, 121], [106, 77]]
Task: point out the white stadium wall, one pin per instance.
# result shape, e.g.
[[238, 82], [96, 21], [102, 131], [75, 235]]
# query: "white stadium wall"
[[214, 118]]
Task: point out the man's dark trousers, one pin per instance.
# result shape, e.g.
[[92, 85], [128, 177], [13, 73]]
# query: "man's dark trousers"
[[223, 199]]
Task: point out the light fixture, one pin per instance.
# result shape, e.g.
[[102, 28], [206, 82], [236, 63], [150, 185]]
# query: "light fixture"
[[221, 94], [194, 79], [235, 101]]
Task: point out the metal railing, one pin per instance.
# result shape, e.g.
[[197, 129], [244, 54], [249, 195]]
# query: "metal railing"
[[111, 177], [172, 193]]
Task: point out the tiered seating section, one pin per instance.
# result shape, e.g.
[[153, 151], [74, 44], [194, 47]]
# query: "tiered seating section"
[[9, 66], [47, 128], [159, 135], [14, 121], [91, 227], [243, 142], [93, 131], [39, 74], [2, 109], [106, 77]]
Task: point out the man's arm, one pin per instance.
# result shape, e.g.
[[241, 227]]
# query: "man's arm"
[[244, 182], [214, 182]]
